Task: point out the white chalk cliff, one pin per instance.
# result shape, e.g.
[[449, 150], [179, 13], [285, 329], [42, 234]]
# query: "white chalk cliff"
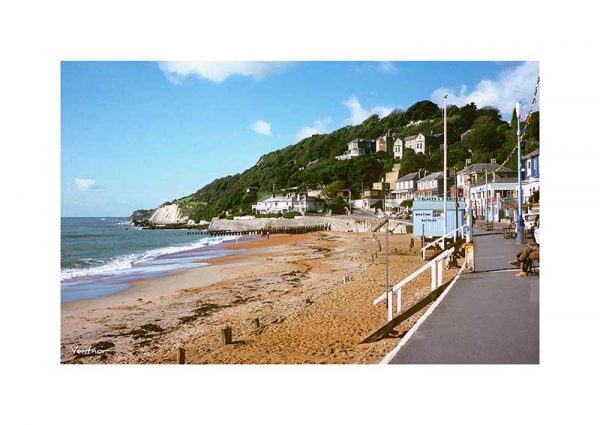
[[168, 214]]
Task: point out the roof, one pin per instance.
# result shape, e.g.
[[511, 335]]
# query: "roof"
[[531, 154], [487, 166], [274, 198], [480, 181], [433, 176], [407, 177], [407, 138]]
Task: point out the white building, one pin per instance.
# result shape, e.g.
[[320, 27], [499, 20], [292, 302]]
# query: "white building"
[[488, 199], [477, 171], [398, 147], [432, 185], [406, 187], [357, 147], [275, 204], [416, 143]]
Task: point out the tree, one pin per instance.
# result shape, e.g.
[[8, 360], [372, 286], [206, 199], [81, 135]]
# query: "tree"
[[411, 161], [422, 110]]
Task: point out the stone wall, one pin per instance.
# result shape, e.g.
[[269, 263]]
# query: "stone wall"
[[337, 223]]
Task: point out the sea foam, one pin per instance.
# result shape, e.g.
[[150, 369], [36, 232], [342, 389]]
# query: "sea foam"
[[125, 263]]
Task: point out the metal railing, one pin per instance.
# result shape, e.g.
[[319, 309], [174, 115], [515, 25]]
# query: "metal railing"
[[460, 230], [437, 271]]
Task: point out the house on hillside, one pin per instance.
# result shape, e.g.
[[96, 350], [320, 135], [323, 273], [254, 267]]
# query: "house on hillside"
[[386, 143], [398, 147], [419, 141], [416, 143], [357, 147]]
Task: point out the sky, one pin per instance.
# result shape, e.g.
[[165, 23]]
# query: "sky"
[[137, 134]]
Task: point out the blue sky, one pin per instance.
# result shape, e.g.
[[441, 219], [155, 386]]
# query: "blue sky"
[[136, 134]]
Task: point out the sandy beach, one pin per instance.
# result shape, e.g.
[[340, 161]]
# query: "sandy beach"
[[293, 285]]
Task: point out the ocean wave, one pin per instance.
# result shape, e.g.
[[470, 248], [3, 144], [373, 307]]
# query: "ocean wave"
[[125, 263]]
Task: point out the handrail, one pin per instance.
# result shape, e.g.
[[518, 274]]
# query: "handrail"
[[443, 238], [436, 280]]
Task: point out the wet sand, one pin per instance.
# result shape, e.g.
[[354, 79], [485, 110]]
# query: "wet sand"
[[291, 283]]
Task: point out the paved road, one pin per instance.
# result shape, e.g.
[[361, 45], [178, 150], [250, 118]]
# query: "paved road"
[[487, 317]]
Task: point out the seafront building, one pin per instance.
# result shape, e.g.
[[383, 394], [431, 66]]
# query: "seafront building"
[[275, 204], [474, 172], [531, 182], [405, 187], [432, 185], [489, 200]]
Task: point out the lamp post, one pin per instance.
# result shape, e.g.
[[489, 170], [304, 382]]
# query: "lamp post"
[[485, 209], [521, 239], [445, 172], [455, 204]]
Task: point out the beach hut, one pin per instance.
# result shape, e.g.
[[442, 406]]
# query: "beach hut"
[[428, 215]]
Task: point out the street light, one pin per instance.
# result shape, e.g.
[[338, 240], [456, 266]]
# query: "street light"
[[445, 172], [520, 228]]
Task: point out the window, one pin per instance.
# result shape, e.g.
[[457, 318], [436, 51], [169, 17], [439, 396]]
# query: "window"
[[437, 213]]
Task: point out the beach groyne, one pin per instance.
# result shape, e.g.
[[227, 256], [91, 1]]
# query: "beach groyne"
[[298, 225]]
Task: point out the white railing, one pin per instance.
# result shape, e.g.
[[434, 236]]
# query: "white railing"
[[437, 271], [461, 230]]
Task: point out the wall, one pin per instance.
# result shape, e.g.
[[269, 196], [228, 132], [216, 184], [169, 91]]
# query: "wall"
[[337, 223]]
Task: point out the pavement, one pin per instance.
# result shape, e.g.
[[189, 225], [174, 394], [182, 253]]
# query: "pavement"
[[487, 317]]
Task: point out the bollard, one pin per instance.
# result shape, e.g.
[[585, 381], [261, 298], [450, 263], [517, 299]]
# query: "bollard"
[[226, 335], [180, 355], [470, 257]]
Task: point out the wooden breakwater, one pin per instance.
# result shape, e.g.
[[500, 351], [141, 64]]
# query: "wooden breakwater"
[[270, 230]]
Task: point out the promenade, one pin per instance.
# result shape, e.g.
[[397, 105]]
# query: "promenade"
[[487, 317]]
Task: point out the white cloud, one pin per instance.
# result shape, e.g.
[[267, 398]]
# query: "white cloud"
[[513, 84], [319, 126], [387, 67], [218, 72], [261, 127], [358, 114], [85, 184]]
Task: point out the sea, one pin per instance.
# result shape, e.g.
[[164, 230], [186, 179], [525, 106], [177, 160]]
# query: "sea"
[[103, 255]]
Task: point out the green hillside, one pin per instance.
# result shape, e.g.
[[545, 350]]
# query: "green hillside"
[[311, 162]]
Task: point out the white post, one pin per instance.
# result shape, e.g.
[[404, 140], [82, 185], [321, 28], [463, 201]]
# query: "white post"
[[433, 277], [399, 306], [390, 302], [440, 273], [469, 209], [485, 209], [445, 172]]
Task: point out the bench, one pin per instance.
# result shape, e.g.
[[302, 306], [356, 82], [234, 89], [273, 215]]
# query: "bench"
[[509, 232], [534, 266]]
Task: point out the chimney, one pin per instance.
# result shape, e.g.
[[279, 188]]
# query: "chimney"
[[468, 162], [493, 160]]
